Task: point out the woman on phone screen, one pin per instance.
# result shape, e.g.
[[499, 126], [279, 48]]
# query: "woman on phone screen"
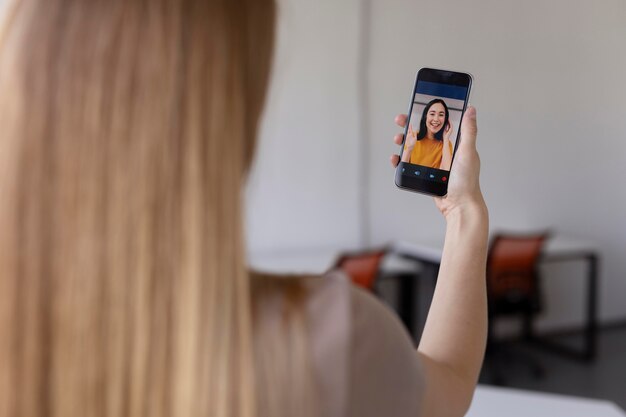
[[430, 146]]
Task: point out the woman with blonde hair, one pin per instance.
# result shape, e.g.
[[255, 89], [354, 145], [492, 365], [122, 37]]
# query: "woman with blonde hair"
[[126, 133]]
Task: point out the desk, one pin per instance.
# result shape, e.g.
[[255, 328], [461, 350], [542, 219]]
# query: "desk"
[[320, 260], [496, 402], [313, 261], [556, 249]]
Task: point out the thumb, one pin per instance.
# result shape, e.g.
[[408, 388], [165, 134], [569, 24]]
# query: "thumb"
[[469, 129]]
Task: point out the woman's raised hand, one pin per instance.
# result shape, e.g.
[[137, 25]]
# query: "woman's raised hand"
[[464, 186], [412, 137], [447, 131]]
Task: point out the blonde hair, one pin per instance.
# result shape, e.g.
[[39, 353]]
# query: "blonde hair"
[[126, 130]]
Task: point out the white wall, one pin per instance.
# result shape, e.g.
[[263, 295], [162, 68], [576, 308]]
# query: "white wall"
[[302, 191], [549, 88], [550, 92]]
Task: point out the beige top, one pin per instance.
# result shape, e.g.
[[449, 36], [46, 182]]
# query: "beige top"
[[364, 360]]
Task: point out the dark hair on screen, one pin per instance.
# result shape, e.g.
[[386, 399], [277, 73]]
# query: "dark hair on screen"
[[422, 132]]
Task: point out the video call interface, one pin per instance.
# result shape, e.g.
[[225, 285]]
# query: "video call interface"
[[432, 131]]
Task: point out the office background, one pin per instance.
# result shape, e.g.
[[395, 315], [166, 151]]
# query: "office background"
[[549, 88]]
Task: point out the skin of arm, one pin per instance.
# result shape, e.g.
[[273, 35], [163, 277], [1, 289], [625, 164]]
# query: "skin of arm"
[[453, 342]]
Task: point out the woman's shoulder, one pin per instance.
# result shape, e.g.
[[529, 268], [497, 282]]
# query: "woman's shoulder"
[[364, 337], [362, 358], [324, 302], [387, 377]]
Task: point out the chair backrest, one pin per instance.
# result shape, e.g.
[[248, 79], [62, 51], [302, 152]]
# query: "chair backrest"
[[512, 267], [361, 267]]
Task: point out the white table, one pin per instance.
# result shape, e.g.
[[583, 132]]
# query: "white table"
[[556, 249], [498, 402], [319, 260], [312, 261], [316, 261]]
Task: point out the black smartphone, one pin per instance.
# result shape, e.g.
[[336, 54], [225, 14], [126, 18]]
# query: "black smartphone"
[[431, 136]]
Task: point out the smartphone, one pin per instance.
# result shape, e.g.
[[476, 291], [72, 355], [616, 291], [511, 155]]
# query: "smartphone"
[[431, 136]]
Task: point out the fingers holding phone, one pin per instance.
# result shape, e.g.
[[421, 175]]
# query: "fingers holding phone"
[[464, 186], [398, 139]]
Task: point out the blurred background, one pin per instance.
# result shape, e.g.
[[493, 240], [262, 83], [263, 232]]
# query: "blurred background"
[[550, 91]]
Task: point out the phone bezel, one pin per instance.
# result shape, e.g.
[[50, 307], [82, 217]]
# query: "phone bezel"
[[443, 77]]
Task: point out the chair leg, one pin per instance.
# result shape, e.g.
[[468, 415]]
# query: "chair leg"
[[528, 329], [499, 356], [494, 358], [406, 301]]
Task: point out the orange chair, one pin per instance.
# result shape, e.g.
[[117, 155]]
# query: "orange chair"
[[365, 270], [513, 285], [362, 267], [512, 278]]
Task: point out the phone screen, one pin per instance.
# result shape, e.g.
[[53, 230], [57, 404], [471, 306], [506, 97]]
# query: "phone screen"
[[438, 102]]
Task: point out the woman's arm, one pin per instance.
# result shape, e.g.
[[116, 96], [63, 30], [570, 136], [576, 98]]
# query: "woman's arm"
[[453, 342]]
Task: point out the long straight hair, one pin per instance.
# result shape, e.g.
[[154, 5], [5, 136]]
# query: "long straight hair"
[[126, 131]]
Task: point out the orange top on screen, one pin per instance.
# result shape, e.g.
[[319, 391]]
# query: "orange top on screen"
[[427, 152]]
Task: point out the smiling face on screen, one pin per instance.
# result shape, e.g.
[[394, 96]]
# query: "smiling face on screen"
[[435, 119]]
